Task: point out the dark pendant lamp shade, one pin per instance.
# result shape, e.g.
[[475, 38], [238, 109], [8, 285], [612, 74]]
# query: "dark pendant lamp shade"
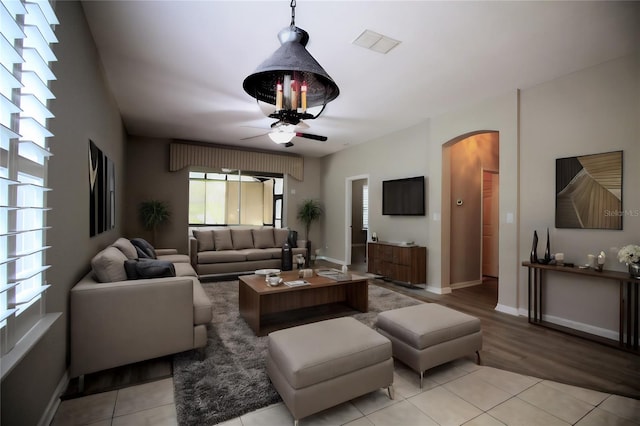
[[291, 82]]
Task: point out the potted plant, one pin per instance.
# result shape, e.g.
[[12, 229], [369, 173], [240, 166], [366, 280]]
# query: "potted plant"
[[309, 212], [154, 213]]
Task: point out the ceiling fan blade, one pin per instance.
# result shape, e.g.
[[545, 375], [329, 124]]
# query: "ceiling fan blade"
[[310, 136], [253, 137]]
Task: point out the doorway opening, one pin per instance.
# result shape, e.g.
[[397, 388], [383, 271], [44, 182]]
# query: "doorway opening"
[[470, 210], [357, 221]]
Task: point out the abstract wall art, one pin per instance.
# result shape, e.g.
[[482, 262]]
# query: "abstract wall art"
[[589, 191], [102, 186]]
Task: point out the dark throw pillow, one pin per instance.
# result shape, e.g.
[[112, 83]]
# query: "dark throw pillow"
[[149, 268], [144, 249]]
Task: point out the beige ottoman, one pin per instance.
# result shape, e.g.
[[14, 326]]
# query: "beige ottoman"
[[317, 366], [426, 335]]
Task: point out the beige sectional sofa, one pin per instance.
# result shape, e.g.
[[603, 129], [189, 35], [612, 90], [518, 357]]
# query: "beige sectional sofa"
[[115, 321], [231, 250]]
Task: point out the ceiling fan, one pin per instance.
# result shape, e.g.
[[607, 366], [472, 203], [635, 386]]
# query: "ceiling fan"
[[284, 130]]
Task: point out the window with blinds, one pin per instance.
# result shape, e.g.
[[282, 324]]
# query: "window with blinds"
[[27, 29], [365, 207]]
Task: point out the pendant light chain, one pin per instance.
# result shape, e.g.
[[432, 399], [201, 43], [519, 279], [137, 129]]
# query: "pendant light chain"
[[293, 13]]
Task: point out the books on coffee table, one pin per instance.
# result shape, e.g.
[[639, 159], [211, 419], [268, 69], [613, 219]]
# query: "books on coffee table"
[[333, 274], [296, 283]]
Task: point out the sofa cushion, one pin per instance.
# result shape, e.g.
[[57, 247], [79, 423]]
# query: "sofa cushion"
[[275, 253], [263, 238], [205, 239], [280, 236], [222, 239], [108, 265], [144, 249], [202, 313], [242, 239], [256, 254], [138, 269], [184, 270], [125, 246], [223, 256], [175, 258]]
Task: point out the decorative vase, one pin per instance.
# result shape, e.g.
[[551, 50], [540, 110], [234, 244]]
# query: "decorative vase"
[[634, 270], [533, 257], [547, 251]]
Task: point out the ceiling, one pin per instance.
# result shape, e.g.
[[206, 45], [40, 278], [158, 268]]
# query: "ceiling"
[[176, 68]]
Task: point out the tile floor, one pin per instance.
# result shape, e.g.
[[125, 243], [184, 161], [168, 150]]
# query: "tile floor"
[[458, 393]]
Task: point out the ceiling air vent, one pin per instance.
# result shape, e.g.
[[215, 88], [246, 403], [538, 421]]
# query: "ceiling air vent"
[[377, 42]]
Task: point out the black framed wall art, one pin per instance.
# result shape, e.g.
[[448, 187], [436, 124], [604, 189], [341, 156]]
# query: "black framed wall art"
[[102, 186], [589, 191]]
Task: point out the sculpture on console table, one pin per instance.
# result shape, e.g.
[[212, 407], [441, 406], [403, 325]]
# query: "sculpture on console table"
[[547, 251], [533, 257]]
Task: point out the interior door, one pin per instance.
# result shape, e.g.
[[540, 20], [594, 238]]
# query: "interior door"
[[490, 223], [358, 234]]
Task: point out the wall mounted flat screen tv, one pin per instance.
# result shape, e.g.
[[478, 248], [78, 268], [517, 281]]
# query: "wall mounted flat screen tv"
[[403, 197]]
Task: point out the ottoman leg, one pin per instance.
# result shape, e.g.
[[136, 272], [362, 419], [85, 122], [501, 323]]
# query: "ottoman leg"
[[478, 357], [392, 392], [421, 376], [295, 422]]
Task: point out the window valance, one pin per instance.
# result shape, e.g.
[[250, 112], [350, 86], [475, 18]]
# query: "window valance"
[[183, 155]]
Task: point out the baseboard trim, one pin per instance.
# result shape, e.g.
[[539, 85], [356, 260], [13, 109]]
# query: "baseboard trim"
[[438, 290], [332, 260], [465, 284], [54, 403], [587, 328], [507, 310]]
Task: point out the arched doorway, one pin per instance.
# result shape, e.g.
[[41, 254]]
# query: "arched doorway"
[[470, 225]]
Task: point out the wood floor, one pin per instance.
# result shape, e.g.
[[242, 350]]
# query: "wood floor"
[[511, 343]]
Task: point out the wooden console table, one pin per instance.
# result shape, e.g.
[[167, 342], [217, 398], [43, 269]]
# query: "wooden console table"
[[628, 321], [397, 262]]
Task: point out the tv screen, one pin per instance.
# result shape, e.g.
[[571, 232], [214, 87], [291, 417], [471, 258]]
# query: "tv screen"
[[403, 197]]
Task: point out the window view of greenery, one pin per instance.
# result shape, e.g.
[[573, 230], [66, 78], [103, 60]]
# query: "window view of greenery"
[[235, 198]]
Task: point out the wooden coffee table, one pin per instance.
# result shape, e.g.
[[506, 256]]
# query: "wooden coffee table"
[[258, 301]]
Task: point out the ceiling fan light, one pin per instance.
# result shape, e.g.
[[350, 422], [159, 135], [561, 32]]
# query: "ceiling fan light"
[[281, 137]]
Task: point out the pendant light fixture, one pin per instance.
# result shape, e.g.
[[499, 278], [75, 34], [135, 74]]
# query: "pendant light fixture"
[[291, 85]]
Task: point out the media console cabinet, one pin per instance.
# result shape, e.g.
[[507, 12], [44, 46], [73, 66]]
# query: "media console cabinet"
[[405, 264], [628, 289]]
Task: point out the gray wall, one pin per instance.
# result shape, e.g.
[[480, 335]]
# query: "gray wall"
[[588, 112], [148, 177], [83, 109], [296, 192], [400, 155]]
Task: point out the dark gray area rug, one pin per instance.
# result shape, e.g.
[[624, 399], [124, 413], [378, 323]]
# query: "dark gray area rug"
[[228, 377]]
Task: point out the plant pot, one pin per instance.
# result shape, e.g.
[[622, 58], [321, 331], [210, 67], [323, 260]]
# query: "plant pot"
[[634, 270]]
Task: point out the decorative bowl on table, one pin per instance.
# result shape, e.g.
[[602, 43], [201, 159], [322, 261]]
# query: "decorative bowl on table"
[[274, 280]]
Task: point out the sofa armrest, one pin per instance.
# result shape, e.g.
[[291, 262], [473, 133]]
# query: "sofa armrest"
[[119, 323], [166, 251], [193, 252]]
